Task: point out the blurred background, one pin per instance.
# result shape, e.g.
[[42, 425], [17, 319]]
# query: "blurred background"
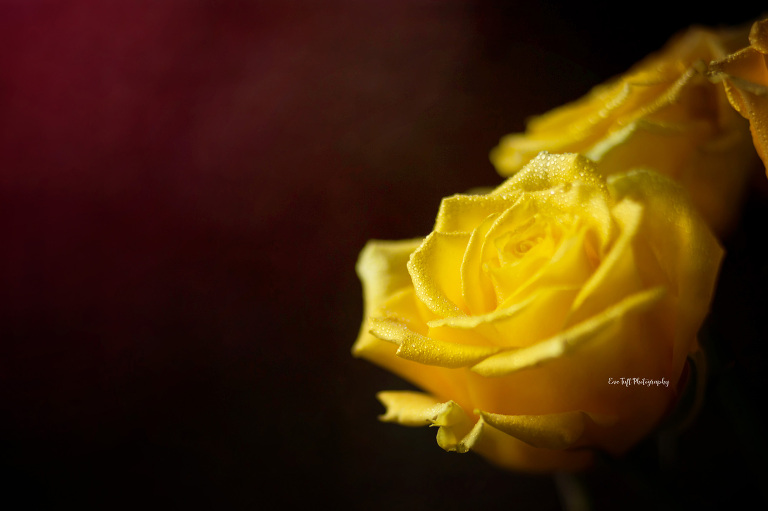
[[184, 189]]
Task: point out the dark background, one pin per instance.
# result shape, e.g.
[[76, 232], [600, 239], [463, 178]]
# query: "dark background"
[[184, 189]]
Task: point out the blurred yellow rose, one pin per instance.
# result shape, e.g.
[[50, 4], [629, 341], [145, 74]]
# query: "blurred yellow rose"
[[543, 318], [745, 75], [663, 114]]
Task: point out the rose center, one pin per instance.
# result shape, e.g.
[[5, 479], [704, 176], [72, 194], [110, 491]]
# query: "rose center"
[[522, 241], [520, 248]]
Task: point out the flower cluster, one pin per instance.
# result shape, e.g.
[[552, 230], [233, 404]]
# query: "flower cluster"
[[597, 257]]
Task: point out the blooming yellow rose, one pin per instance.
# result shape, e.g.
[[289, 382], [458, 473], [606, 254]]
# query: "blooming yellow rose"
[[745, 75], [663, 114], [543, 319]]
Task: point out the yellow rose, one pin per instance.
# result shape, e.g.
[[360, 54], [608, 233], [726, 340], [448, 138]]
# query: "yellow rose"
[[665, 115], [524, 309], [745, 75]]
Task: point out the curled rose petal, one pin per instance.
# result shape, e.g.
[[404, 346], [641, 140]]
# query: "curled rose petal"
[[456, 432], [745, 76]]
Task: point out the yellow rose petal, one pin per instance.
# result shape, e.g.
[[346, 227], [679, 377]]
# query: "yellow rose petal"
[[547, 171], [518, 325], [404, 307], [685, 250], [617, 275], [509, 361], [463, 213], [382, 268], [476, 286], [456, 431], [409, 408], [745, 76], [551, 431], [425, 350], [435, 268]]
